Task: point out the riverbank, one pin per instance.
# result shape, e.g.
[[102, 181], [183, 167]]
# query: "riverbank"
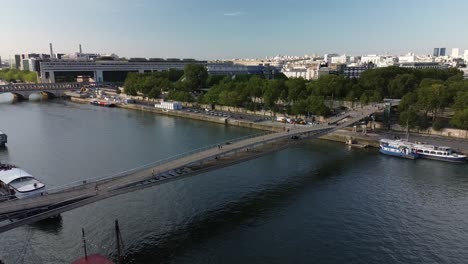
[[344, 136], [192, 115]]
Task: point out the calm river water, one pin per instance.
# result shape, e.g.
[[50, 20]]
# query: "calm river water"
[[316, 203]]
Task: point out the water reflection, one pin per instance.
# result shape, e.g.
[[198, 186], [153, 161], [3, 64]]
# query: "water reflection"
[[53, 225], [249, 210]]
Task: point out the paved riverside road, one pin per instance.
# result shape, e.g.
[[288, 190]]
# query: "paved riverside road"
[[104, 187]]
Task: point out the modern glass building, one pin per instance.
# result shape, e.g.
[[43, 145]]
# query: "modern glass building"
[[105, 70]]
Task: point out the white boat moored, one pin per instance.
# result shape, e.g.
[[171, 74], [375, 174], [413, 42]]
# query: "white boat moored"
[[17, 182]]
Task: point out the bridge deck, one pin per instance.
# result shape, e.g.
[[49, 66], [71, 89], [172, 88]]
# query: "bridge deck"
[[20, 87], [104, 188]]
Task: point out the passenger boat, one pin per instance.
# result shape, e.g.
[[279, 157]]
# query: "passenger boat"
[[102, 103], [398, 148], [438, 153], [15, 182]]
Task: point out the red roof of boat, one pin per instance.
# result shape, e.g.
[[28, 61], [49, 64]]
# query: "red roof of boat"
[[93, 259]]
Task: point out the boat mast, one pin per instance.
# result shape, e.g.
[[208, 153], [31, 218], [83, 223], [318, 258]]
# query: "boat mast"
[[407, 127], [84, 243], [119, 242]]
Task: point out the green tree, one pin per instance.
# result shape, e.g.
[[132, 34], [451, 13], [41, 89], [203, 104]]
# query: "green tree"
[[296, 89], [300, 107], [316, 106], [408, 119], [438, 124], [364, 99], [195, 76], [460, 119], [375, 97], [214, 79], [272, 92], [432, 98], [182, 96], [402, 84], [461, 101], [173, 75], [131, 84]]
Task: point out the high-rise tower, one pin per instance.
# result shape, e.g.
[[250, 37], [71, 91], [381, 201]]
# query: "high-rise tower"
[[51, 51]]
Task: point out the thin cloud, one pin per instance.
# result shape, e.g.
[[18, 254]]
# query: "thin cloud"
[[233, 14]]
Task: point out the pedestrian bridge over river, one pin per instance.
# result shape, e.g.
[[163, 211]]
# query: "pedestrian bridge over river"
[[54, 88], [18, 212]]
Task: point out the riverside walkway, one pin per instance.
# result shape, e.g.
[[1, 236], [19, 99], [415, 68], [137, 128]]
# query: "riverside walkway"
[[25, 211]]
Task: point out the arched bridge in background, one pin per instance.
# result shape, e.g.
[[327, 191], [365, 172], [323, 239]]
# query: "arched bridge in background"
[[39, 87], [18, 212]]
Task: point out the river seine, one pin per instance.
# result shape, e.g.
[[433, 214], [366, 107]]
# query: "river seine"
[[319, 202]]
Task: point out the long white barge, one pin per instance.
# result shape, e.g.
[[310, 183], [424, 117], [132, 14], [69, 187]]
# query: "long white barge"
[[438, 153], [17, 183]]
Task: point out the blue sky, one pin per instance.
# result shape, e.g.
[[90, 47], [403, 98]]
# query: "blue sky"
[[208, 29]]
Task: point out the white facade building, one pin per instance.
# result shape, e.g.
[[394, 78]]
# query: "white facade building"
[[328, 57], [465, 56], [455, 53], [169, 105], [308, 73], [340, 59], [407, 58], [375, 59]]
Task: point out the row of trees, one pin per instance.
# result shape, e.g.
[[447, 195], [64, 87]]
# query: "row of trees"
[[178, 84], [291, 96], [432, 101], [13, 75], [426, 94]]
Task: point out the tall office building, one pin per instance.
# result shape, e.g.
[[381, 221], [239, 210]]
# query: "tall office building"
[[455, 53], [465, 56], [436, 52], [17, 61], [442, 52]]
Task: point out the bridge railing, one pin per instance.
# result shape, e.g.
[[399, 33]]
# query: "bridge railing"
[[150, 165], [18, 87]]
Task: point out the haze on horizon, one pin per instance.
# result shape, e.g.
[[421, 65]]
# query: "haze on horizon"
[[209, 29]]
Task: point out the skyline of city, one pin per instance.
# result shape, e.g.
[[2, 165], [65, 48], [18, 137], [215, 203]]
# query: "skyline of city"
[[213, 30]]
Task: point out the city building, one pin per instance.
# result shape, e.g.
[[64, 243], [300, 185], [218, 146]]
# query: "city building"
[[355, 71], [439, 52], [374, 59], [455, 53], [422, 65], [465, 56], [169, 105], [277, 64], [328, 57], [104, 70], [230, 68], [298, 73], [442, 52], [17, 61], [407, 58], [226, 68], [340, 59]]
